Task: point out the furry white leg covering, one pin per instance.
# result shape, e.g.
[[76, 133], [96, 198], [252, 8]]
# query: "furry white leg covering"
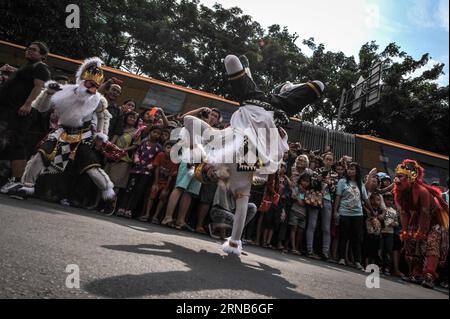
[[240, 183], [102, 181], [27, 190], [31, 173], [234, 248]]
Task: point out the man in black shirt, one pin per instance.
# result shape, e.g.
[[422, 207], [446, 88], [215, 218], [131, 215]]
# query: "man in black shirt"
[[16, 96], [113, 91]]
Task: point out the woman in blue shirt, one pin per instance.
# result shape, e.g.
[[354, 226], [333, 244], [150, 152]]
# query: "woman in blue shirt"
[[348, 211]]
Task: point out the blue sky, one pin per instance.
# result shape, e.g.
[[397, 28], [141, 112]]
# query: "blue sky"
[[418, 26]]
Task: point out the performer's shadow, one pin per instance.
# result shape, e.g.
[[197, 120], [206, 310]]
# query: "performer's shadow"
[[207, 271]]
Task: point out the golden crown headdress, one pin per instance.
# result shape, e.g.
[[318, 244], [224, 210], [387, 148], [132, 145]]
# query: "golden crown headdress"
[[91, 70], [408, 169]]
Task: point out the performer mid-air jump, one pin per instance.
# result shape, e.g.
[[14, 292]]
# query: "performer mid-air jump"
[[258, 140]]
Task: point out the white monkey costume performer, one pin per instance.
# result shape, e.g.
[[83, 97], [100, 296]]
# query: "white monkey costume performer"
[[255, 140], [82, 116]]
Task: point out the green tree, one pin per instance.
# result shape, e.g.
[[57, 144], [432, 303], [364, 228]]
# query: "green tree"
[[412, 110]]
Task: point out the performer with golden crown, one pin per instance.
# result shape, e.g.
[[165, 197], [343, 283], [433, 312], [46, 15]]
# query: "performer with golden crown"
[[424, 219], [82, 117]]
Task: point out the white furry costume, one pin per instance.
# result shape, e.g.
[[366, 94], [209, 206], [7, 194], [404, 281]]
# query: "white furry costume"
[[82, 116], [257, 140]]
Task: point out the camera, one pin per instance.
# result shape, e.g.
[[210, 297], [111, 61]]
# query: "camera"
[[316, 183], [204, 114]]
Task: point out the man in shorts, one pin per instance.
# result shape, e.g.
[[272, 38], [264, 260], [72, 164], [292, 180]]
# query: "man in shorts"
[[16, 96]]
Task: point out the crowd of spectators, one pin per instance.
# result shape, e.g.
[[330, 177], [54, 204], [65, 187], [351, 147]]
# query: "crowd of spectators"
[[316, 205]]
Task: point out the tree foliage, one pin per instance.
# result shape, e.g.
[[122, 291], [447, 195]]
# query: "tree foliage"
[[184, 42]]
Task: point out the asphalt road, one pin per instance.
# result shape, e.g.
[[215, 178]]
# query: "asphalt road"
[[119, 258]]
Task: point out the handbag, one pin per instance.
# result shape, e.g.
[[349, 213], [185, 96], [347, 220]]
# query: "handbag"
[[314, 198], [268, 201]]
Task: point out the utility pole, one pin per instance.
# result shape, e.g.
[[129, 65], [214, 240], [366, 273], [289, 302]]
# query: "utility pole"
[[341, 105]]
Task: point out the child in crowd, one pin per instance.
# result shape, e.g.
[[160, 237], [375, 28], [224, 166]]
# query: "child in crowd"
[[277, 215], [297, 215], [165, 136], [391, 218], [165, 172], [339, 168], [373, 230], [268, 204], [141, 173], [119, 171], [128, 106]]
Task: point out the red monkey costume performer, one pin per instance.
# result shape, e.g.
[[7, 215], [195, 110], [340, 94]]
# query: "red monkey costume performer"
[[424, 219]]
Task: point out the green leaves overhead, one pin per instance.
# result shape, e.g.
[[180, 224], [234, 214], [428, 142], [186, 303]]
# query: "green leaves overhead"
[[184, 42]]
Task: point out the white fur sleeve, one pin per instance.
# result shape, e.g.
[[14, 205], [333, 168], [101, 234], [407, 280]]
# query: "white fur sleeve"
[[43, 102], [94, 121]]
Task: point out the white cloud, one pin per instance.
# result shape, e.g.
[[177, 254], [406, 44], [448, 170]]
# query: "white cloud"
[[430, 14], [341, 27], [443, 14], [419, 13]]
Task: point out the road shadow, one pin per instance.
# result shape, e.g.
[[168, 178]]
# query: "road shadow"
[[207, 271], [45, 207], [144, 227]]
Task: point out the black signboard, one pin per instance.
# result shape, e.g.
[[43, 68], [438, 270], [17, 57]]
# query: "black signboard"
[[170, 100]]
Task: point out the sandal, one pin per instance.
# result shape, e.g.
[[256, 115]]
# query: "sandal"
[[143, 219], [201, 231], [411, 279], [184, 227], [168, 223], [312, 256], [398, 274], [128, 214], [155, 220], [296, 252], [120, 212]]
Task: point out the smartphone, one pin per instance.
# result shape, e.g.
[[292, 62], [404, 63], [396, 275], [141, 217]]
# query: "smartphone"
[[153, 112]]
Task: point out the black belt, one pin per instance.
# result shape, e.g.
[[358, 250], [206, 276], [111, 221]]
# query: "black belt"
[[77, 130], [280, 117]]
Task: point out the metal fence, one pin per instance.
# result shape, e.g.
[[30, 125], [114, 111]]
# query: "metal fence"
[[317, 138]]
